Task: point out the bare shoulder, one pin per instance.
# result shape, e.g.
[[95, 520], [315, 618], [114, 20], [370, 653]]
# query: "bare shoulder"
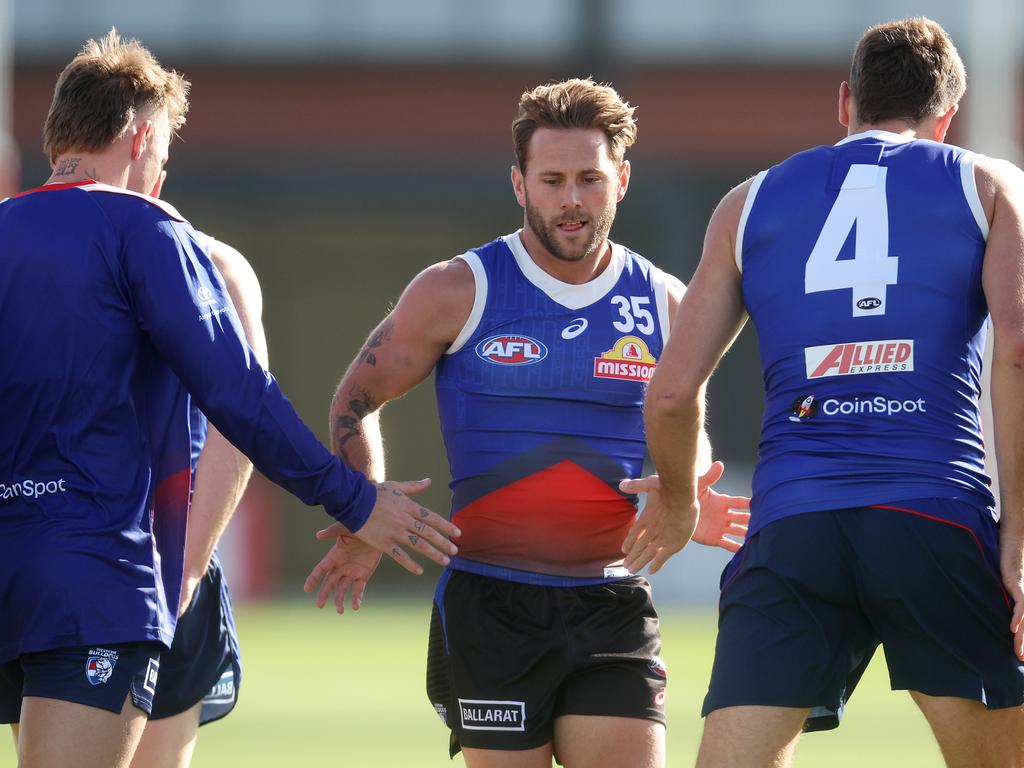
[[726, 217], [996, 180], [236, 270], [440, 298]]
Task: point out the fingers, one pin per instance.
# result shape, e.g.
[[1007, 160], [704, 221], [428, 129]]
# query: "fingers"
[[712, 476], [640, 555], [318, 572], [332, 531], [409, 487], [635, 531], [639, 484], [400, 556], [661, 557], [442, 525], [729, 545], [358, 588]]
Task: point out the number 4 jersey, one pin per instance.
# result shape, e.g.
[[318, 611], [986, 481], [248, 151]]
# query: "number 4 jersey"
[[540, 399], [861, 269]]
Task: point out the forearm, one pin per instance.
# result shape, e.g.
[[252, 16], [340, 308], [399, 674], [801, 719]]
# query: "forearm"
[[355, 429], [222, 474], [1008, 410], [676, 439]]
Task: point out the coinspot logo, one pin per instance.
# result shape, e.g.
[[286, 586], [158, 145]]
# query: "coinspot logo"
[[31, 489], [809, 407]]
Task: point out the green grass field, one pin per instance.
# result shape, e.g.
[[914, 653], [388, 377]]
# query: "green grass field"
[[328, 690], [322, 689]]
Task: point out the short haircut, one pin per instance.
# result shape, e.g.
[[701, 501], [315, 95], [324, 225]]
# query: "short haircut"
[[103, 88], [907, 69], [575, 103]]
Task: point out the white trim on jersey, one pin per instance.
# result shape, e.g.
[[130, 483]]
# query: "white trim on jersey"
[[568, 295], [167, 208], [479, 300], [970, 185], [747, 205], [660, 285], [892, 138]]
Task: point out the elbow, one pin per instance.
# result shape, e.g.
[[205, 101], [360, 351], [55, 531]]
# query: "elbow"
[[674, 400]]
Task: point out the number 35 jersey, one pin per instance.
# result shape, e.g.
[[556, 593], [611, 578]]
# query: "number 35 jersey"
[[540, 399], [861, 269]]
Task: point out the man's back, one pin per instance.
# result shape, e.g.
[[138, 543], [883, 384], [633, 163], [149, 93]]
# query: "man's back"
[[862, 272], [97, 431]]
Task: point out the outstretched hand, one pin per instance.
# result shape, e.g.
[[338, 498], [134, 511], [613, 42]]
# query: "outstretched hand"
[[662, 529], [397, 521], [347, 567]]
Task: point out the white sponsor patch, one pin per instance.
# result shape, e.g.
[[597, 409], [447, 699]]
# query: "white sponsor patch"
[[489, 715], [853, 357], [152, 673]]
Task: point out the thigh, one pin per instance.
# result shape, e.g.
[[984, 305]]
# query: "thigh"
[[750, 737], [538, 757], [169, 743], [495, 661], [609, 742], [791, 632], [64, 734], [203, 664], [932, 589], [972, 736]]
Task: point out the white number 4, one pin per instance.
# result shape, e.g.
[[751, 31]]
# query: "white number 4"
[[861, 203], [640, 318]]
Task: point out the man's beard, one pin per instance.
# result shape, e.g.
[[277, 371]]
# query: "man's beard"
[[546, 233]]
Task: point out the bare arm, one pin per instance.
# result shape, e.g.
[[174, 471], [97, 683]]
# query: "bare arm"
[[222, 471], [1001, 186], [398, 355], [710, 316]]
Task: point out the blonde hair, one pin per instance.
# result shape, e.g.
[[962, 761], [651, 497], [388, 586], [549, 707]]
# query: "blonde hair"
[[575, 103], [103, 88]]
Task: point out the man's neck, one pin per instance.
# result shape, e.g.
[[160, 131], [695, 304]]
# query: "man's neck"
[[572, 272], [75, 167], [898, 127]]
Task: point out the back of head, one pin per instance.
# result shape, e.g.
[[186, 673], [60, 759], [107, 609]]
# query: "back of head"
[[907, 70], [575, 103], [103, 88]]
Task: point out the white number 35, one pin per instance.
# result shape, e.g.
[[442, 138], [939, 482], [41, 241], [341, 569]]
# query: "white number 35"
[[633, 313]]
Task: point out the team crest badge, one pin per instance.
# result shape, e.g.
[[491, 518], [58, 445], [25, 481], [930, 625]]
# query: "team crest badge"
[[629, 360], [100, 665]]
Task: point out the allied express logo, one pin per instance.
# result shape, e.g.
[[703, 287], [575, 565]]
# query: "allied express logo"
[[853, 357], [511, 350], [629, 360]]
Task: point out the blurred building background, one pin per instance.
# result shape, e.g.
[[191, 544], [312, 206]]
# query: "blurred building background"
[[343, 145]]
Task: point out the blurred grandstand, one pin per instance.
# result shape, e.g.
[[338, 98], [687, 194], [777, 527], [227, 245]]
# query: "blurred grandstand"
[[343, 145]]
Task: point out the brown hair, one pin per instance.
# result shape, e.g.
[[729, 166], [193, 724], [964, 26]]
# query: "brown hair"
[[575, 103], [99, 93], [907, 69]]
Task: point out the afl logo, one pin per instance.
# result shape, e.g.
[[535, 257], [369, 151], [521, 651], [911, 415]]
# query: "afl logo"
[[869, 303], [511, 350]]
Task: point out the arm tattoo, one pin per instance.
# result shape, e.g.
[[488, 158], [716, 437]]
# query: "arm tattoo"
[[346, 427], [382, 334]]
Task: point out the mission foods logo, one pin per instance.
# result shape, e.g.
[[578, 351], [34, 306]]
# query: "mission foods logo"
[[511, 350], [628, 360], [893, 355]]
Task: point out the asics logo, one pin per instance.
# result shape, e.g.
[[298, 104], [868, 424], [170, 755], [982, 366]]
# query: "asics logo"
[[575, 328]]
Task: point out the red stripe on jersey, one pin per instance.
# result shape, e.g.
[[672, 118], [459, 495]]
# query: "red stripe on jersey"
[[562, 521]]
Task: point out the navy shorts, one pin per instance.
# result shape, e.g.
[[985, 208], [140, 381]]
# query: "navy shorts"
[[99, 676], [506, 658], [808, 599], [203, 664]]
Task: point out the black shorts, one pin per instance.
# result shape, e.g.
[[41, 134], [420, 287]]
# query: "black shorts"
[[98, 676], [505, 658], [809, 598], [203, 664]]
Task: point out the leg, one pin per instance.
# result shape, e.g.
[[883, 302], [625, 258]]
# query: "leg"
[[14, 733], [750, 737], [168, 742], [61, 734], [539, 757], [609, 742], [971, 736]]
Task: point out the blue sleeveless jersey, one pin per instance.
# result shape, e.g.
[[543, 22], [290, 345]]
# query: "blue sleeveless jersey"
[[540, 404], [861, 269], [111, 313]]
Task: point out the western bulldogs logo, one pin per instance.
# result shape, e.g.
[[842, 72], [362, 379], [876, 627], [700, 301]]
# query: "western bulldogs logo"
[[99, 666]]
